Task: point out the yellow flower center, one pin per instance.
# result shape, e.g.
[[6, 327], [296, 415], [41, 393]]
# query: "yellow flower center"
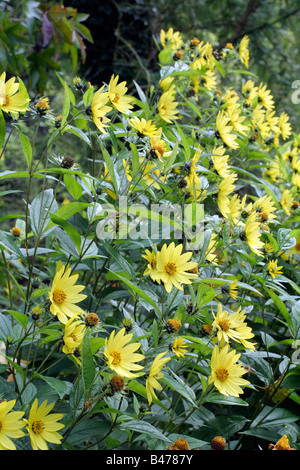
[[0, 426], [224, 325], [222, 374], [297, 246], [116, 98], [59, 296], [37, 427], [170, 268], [116, 357], [4, 100]]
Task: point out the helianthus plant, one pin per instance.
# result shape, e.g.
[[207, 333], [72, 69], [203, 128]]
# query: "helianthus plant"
[[130, 319]]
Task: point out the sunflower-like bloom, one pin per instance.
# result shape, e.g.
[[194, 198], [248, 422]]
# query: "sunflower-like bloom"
[[286, 201], [42, 425], [159, 146], [154, 375], [144, 127], [170, 38], [220, 161], [226, 374], [230, 289], [226, 187], [150, 256], [99, 109], [237, 119], [179, 347], [284, 125], [167, 107], [118, 97], [265, 208], [244, 51], [274, 270], [64, 295], [264, 97], [231, 326], [173, 268], [210, 251], [73, 335], [251, 234], [121, 357], [10, 425], [12, 98], [224, 130]]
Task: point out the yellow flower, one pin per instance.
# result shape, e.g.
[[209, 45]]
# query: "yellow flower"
[[12, 98], [282, 444], [170, 38], [226, 187], [150, 256], [173, 267], [264, 97], [251, 234], [64, 295], [220, 161], [99, 109], [10, 425], [273, 269], [286, 201], [167, 107], [230, 289], [244, 51], [284, 125], [224, 130], [117, 95], [154, 375], [42, 426], [144, 127], [158, 146], [237, 119], [121, 357], [265, 208], [73, 336], [226, 374], [231, 326], [179, 347], [210, 251]]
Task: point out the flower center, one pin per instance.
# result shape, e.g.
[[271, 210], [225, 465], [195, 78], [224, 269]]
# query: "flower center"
[[224, 325], [153, 264], [59, 296], [116, 98], [116, 357], [170, 268], [4, 101], [37, 427], [222, 374], [0, 426], [297, 246]]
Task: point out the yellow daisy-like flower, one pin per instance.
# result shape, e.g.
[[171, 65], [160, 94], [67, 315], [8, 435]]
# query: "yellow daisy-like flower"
[[144, 127], [167, 107], [42, 426], [235, 205], [273, 269], [154, 375], [230, 289], [73, 335], [284, 125], [99, 109], [237, 119], [251, 234], [12, 98], [224, 130], [286, 201], [220, 161], [150, 256], [159, 146], [117, 95], [231, 326], [170, 38], [226, 374], [210, 252], [264, 208], [64, 295], [226, 187], [121, 357], [173, 267], [244, 51], [264, 97], [10, 425], [179, 347]]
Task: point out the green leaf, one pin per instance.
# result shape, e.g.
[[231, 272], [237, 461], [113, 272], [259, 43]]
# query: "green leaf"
[[69, 228], [66, 105], [144, 428], [88, 366], [180, 386], [205, 294], [27, 149], [2, 129], [72, 186], [20, 317], [65, 212], [280, 305], [58, 385]]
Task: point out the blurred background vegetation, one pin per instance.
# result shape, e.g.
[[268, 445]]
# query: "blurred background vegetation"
[[94, 39]]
